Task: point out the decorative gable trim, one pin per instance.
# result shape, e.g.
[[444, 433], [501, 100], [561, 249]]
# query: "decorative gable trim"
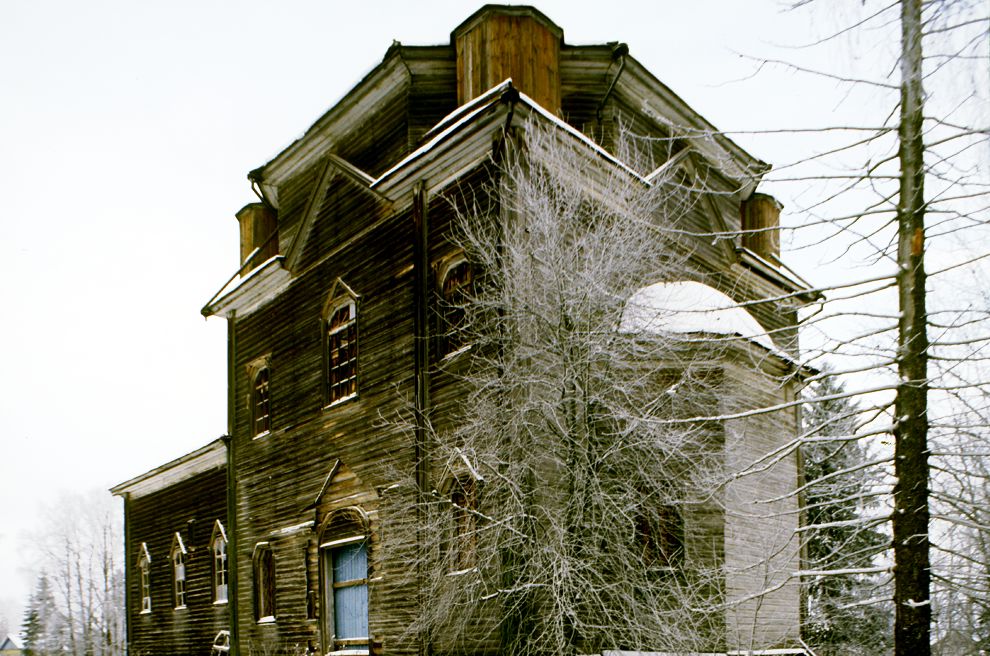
[[313, 205], [334, 469]]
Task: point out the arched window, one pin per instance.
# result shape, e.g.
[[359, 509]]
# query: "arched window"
[[455, 286], [178, 572], [261, 413], [344, 581], [341, 345], [144, 565], [264, 583], [218, 546]]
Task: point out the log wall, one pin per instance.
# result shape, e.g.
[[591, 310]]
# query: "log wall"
[[190, 508]]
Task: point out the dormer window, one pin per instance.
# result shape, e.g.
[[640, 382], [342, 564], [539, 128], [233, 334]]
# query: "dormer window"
[[261, 409]]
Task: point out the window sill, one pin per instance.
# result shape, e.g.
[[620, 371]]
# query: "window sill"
[[182, 607], [262, 434], [268, 619], [145, 612], [340, 401], [220, 602]]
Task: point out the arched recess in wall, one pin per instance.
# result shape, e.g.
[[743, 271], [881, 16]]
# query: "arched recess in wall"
[[343, 574]]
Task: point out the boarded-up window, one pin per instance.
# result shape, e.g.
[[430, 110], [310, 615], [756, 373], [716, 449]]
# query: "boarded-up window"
[[261, 417], [264, 584], [350, 595], [342, 352], [343, 580]]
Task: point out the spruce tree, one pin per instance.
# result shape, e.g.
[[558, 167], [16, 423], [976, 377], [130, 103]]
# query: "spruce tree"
[[840, 537], [41, 621]]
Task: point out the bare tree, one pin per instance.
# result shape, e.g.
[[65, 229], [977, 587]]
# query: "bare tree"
[[80, 610], [897, 194], [563, 481]]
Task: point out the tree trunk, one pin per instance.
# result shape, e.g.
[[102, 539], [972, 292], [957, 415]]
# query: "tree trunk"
[[910, 522]]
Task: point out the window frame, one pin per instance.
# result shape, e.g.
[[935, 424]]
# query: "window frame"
[[263, 560], [342, 530], [144, 565], [450, 313], [221, 564], [341, 296], [261, 401], [462, 531], [177, 556], [660, 537]]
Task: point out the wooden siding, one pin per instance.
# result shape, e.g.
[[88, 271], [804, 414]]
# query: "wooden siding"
[[761, 547], [283, 496], [190, 508], [280, 475], [500, 46]]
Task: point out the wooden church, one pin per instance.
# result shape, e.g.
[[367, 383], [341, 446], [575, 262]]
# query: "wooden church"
[[283, 536]]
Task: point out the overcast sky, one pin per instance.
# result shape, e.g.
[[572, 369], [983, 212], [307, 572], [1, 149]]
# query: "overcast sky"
[[126, 132]]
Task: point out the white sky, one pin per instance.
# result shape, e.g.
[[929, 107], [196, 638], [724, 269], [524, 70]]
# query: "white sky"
[[126, 132]]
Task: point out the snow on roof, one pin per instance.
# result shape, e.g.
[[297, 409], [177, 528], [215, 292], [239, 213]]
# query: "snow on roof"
[[690, 307], [12, 641]]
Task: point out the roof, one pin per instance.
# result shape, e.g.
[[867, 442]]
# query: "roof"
[[244, 293], [510, 10], [687, 307], [209, 457], [12, 642], [388, 80]]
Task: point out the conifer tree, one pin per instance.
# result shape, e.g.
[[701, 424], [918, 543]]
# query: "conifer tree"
[[41, 621], [840, 536]]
